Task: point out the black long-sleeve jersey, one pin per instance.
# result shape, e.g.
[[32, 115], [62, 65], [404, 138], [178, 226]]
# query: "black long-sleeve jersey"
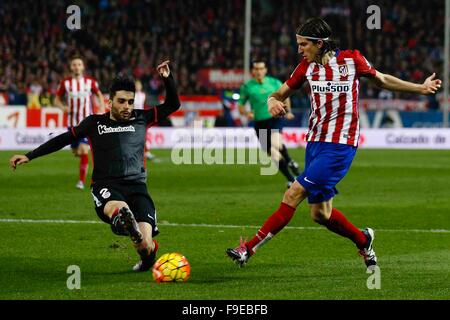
[[117, 146]]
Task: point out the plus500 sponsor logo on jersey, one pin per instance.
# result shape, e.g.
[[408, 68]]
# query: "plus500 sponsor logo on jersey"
[[330, 86]]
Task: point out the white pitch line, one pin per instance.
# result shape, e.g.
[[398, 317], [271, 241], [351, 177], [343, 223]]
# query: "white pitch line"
[[50, 221], [201, 225]]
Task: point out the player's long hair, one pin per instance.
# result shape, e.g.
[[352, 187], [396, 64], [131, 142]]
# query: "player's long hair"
[[318, 29]]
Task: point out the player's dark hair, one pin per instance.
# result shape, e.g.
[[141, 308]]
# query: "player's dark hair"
[[121, 82], [74, 57], [259, 60], [318, 28]]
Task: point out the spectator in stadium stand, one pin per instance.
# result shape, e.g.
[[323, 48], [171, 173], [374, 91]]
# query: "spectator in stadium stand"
[[206, 38], [195, 32], [33, 93], [46, 98]]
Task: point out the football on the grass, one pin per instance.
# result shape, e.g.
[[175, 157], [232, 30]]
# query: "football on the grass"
[[171, 267]]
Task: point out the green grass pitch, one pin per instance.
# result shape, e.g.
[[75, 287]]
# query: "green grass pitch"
[[403, 195]]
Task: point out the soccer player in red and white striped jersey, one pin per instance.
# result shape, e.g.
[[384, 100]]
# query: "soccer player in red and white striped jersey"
[[78, 90], [333, 76], [139, 104]]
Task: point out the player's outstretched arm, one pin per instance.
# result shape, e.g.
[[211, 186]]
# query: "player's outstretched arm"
[[18, 159], [172, 101], [389, 82], [50, 146]]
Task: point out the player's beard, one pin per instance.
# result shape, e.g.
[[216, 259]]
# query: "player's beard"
[[125, 116], [119, 115]]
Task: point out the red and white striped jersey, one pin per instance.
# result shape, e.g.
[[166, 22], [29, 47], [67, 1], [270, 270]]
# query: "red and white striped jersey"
[[78, 94], [334, 90]]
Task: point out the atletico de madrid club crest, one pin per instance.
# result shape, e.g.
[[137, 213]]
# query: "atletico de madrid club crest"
[[343, 70]]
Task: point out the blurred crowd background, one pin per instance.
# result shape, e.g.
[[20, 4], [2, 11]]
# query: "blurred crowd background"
[[133, 36]]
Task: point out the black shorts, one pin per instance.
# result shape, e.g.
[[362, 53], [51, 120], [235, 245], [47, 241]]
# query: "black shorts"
[[269, 125], [135, 194]]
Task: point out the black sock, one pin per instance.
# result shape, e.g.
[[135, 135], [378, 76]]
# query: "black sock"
[[147, 259], [282, 165], [285, 154]]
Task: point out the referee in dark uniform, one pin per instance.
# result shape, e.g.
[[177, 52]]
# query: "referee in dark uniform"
[[117, 140]]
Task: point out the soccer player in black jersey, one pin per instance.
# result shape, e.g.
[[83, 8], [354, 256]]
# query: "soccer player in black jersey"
[[117, 141]]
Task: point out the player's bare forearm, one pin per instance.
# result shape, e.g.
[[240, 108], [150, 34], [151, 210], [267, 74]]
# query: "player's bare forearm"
[[287, 103], [245, 113], [59, 104], [283, 93], [101, 102], [242, 110], [278, 96], [277, 107], [392, 83], [289, 115], [389, 82]]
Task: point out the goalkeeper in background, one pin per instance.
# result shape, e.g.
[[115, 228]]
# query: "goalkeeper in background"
[[268, 128]]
